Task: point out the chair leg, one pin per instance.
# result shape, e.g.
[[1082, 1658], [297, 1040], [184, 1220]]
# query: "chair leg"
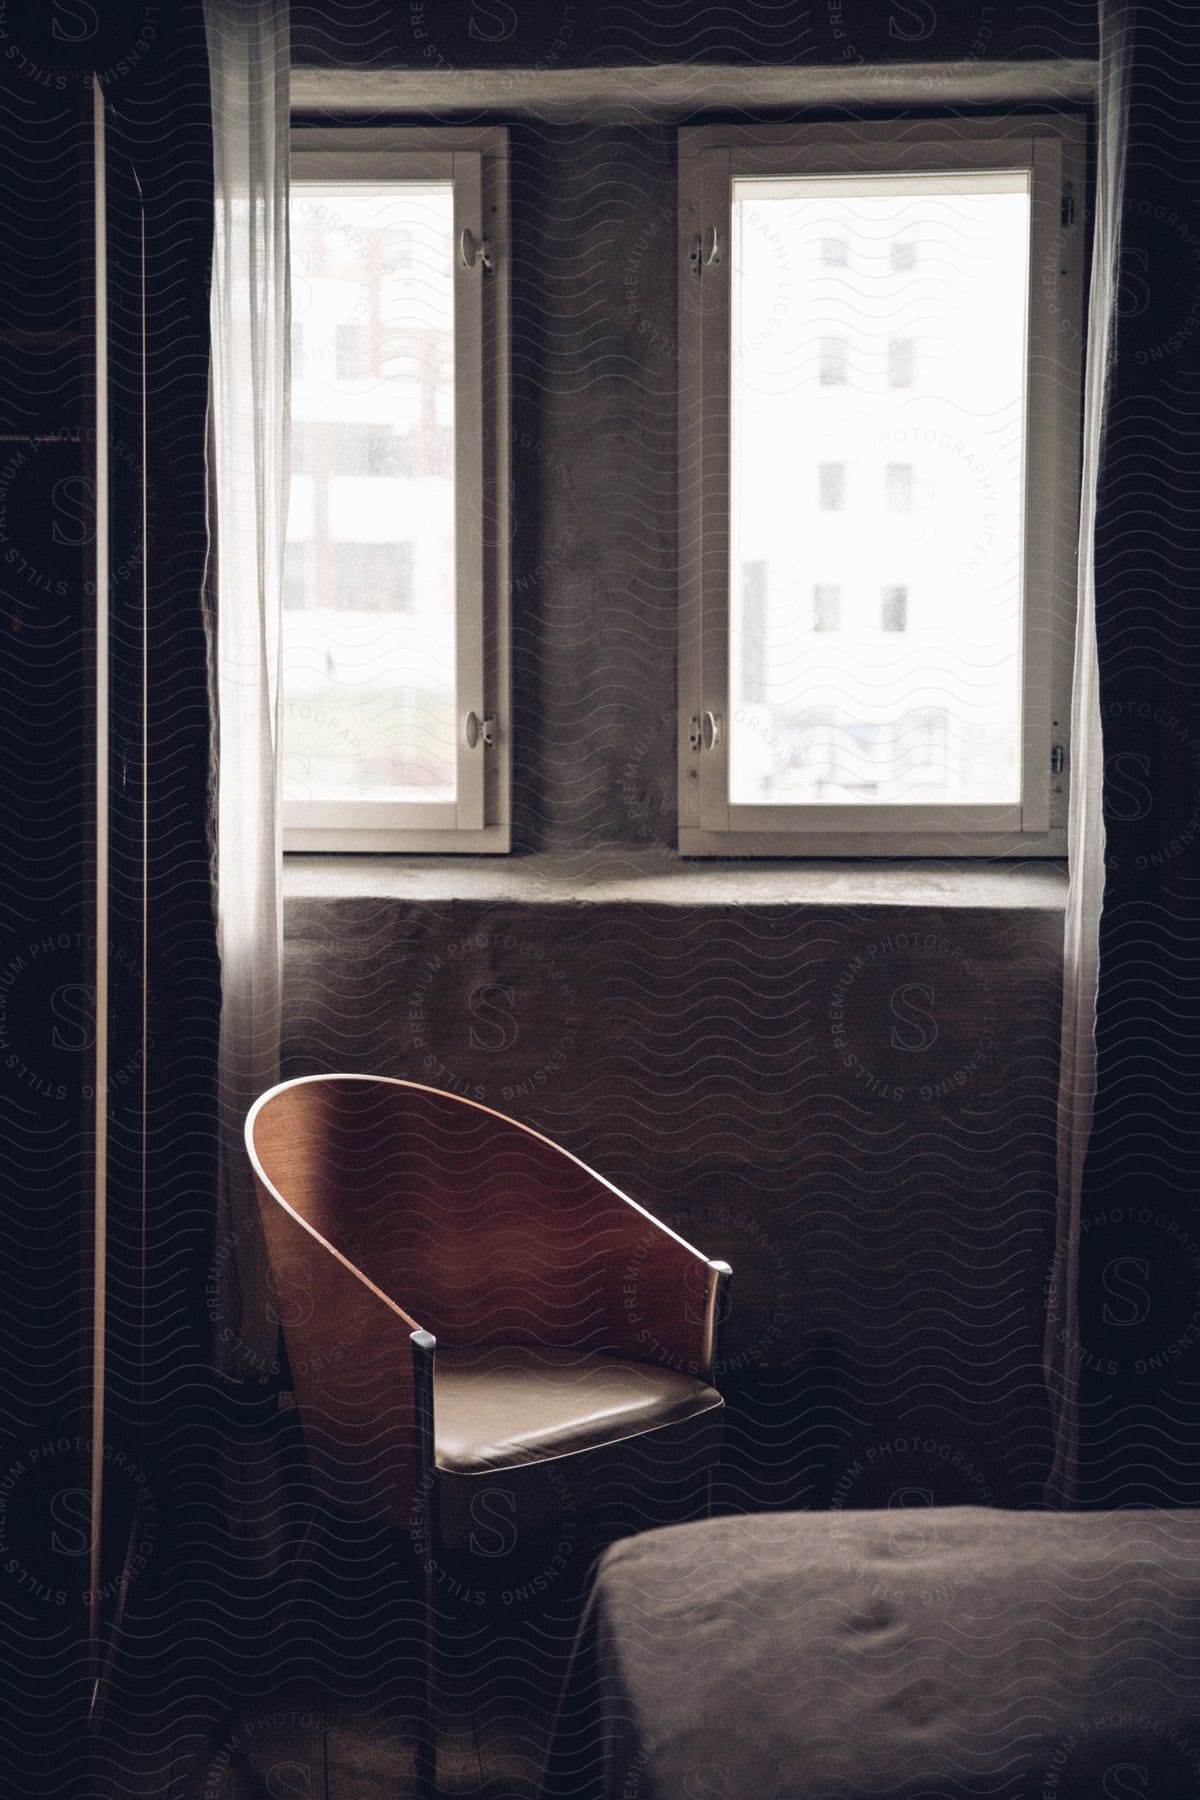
[[424, 1346], [428, 1694], [710, 1493]]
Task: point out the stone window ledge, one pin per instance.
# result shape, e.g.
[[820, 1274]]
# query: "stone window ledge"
[[652, 876]]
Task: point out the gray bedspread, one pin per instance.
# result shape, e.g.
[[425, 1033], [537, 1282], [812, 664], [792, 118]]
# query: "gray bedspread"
[[923, 1653]]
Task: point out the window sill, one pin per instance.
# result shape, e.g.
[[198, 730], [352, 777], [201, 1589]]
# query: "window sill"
[[653, 876]]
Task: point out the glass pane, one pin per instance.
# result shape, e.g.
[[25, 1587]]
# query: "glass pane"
[[877, 489], [369, 578]]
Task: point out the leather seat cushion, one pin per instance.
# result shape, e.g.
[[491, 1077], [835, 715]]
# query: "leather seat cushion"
[[503, 1406], [564, 1432]]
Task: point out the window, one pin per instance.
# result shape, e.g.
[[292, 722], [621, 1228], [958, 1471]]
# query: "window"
[[901, 362], [395, 658], [354, 361], [899, 481], [827, 599], [895, 609], [833, 362], [380, 576], [831, 486], [920, 713]]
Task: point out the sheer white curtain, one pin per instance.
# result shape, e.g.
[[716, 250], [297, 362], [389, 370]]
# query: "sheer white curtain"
[[1081, 945], [248, 50]]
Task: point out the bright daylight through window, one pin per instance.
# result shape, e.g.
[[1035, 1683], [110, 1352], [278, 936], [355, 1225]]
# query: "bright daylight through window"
[[923, 441], [885, 575], [369, 582], [392, 575]]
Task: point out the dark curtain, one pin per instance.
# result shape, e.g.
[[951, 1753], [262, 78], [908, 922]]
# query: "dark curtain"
[[167, 1516], [163, 991], [1140, 1243], [47, 1016]]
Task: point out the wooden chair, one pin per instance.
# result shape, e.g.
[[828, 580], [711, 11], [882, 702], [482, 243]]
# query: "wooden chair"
[[464, 1303]]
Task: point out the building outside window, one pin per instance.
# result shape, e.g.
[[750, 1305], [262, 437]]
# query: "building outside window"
[[923, 706], [395, 657]]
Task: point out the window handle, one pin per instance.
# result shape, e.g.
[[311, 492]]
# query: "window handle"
[[705, 251], [476, 250], [475, 729], [704, 731]]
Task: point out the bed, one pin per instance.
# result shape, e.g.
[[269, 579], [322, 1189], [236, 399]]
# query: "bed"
[[921, 1652]]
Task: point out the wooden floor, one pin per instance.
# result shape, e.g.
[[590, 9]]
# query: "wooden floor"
[[309, 1745], [299, 1681], [310, 1741], [277, 1654], [331, 1715]]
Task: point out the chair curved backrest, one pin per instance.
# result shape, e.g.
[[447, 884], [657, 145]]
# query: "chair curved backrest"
[[388, 1206]]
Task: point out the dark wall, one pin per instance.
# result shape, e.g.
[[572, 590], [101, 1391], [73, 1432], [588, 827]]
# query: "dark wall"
[[592, 33], [594, 550], [854, 1106]]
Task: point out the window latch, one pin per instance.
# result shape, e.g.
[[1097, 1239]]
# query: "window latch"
[[704, 731], [1058, 759], [475, 250], [704, 252], [476, 730]]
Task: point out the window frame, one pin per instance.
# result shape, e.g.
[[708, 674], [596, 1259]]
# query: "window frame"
[[1054, 148], [475, 160]]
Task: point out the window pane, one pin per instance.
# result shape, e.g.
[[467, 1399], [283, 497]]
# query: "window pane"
[[901, 361], [831, 482], [895, 609], [353, 360], [833, 362], [908, 373], [899, 487], [754, 595], [369, 578], [827, 600]]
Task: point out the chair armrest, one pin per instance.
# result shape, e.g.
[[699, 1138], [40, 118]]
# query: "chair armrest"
[[668, 1302]]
